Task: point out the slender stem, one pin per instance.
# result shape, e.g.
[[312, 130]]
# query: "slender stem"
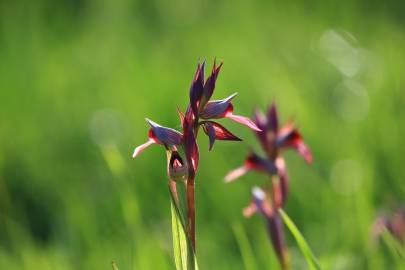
[[191, 210]]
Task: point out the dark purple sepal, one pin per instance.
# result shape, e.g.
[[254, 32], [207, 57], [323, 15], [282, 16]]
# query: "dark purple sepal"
[[272, 118], [217, 131], [197, 88], [164, 135], [217, 108], [209, 85]]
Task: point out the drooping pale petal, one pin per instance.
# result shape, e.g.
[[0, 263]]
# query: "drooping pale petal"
[[217, 131], [209, 85], [217, 108], [243, 120], [249, 210], [164, 135], [197, 88], [142, 147], [236, 173]]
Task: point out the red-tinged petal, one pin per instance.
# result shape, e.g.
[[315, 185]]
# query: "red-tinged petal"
[[209, 85], [217, 131], [142, 147], [197, 88], [303, 150], [292, 138], [255, 162], [236, 173], [249, 210], [217, 108], [164, 135], [244, 121], [272, 118]]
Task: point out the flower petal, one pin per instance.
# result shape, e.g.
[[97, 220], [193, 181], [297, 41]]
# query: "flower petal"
[[217, 131], [197, 88], [164, 135], [142, 147], [244, 121], [291, 137], [272, 118], [209, 85], [236, 173], [255, 162], [217, 108]]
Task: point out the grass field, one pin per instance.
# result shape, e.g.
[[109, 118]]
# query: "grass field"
[[77, 79]]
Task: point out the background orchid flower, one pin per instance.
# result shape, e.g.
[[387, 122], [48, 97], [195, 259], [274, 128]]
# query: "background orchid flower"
[[274, 140]]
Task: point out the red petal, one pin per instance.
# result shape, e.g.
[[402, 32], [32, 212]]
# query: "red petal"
[[217, 108], [255, 162], [291, 137], [217, 131]]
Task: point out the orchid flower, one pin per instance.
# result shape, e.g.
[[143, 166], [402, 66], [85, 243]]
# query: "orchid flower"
[[274, 140], [261, 204], [201, 106]]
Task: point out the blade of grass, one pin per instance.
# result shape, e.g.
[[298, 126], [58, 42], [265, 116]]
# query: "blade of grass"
[[244, 246], [302, 243], [184, 256]]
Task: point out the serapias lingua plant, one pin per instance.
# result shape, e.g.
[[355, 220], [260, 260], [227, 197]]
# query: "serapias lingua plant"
[[268, 199], [181, 147]]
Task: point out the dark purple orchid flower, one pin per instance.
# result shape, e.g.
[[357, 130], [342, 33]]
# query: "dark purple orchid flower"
[[200, 107], [273, 140]]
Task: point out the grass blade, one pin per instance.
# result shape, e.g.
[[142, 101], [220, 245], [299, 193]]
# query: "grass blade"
[[302, 243], [184, 256]]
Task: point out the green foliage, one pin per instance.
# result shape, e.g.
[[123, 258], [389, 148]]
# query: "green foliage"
[[184, 256], [309, 256]]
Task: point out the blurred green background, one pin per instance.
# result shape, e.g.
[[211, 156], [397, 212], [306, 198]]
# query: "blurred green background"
[[78, 77]]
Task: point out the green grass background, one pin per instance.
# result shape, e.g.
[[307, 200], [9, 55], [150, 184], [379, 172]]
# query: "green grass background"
[[77, 79]]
